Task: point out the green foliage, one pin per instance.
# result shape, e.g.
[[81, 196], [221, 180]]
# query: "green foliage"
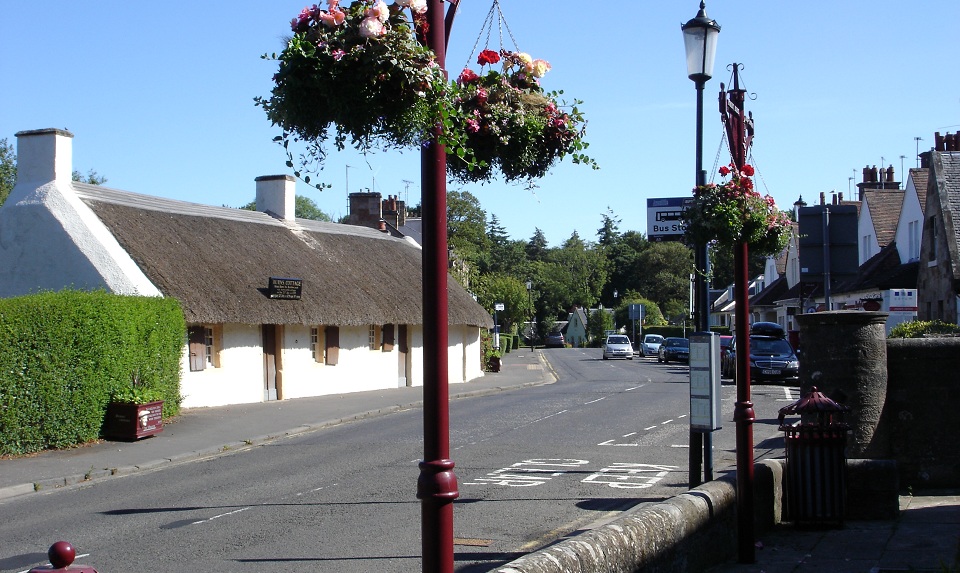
[[598, 322], [510, 123], [8, 169], [495, 287], [92, 177], [304, 208], [923, 328], [734, 212], [67, 354]]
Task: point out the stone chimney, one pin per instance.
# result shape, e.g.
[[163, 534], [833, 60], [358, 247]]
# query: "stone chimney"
[[44, 156], [276, 195], [365, 209]]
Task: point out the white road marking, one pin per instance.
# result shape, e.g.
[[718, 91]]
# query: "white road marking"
[[667, 422], [649, 428], [610, 443], [635, 387], [680, 446], [630, 434], [219, 516], [594, 401]]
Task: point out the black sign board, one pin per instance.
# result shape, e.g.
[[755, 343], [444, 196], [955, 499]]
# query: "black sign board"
[[835, 226], [286, 289]]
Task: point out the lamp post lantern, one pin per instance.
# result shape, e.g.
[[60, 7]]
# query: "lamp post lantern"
[[700, 42]]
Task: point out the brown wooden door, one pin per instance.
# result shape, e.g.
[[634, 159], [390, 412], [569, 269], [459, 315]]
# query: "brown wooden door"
[[269, 362]]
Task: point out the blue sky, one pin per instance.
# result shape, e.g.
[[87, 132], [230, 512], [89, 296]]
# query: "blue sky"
[[159, 97]]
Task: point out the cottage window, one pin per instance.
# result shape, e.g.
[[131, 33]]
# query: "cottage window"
[[373, 336], [913, 229], [204, 344], [934, 255], [318, 345]]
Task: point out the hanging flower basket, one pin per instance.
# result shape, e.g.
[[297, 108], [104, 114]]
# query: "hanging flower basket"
[[358, 73], [508, 123], [734, 212]]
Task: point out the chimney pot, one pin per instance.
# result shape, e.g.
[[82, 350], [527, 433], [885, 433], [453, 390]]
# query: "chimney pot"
[[276, 194], [44, 156]]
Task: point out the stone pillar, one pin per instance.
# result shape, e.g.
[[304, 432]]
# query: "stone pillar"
[[844, 354]]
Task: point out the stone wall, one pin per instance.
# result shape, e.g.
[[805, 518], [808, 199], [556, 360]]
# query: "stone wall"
[[921, 414]]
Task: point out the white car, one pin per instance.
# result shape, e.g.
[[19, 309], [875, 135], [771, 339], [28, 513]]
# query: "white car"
[[617, 346], [651, 345]]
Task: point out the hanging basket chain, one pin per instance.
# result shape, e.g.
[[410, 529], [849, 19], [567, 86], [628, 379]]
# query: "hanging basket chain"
[[487, 28]]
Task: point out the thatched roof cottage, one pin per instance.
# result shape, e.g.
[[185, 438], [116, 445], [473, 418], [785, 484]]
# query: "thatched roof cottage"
[[277, 307]]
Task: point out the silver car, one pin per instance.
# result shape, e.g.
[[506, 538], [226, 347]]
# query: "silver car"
[[651, 345], [617, 346]]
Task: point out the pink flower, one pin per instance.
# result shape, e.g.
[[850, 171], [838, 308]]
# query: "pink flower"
[[482, 95], [473, 125], [371, 28], [338, 54], [333, 18], [378, 11], [302, 21], [538, 68]]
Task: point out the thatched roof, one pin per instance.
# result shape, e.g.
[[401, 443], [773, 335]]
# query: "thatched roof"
[[217, 262]]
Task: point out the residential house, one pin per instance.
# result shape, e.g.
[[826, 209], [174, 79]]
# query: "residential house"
[[938, 284], [276, 307], [576, 333]]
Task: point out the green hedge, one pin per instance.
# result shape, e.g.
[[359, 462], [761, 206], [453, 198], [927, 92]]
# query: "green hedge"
[[65, 353]]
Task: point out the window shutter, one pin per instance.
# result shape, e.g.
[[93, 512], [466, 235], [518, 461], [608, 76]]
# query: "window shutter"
[[332, 336], [388, 339], [197, 345]]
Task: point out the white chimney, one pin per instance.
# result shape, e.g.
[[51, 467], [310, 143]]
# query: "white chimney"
[[276, 195], [44, 156]]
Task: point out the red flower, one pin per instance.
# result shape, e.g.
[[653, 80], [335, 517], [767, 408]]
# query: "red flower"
[[724, 171], [488, 57], [747, 170], [467, 76]]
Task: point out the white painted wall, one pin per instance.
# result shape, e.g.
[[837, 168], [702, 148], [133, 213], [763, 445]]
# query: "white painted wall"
[[50, 236], [910, 236], [240, 377], [867, 245]]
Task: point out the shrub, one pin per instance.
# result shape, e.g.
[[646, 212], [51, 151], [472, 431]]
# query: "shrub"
[[922, 328], [65, 355]]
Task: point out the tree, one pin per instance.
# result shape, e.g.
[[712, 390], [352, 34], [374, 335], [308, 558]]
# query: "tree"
[[609, 234], [667, 267], [8, 169], [304, 208], [92, 177], [537, 246], [512, 292], [598, 323]]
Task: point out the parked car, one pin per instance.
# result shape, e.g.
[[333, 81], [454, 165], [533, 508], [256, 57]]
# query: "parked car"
[[555, 340], [674, 348], [650, 345], [725, 343], [617, 346], [771, 355]]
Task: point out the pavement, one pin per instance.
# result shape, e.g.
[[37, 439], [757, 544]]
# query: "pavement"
[[924, 537]]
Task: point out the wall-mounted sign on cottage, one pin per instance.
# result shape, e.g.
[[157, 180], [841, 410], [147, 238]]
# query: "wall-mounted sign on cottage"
[[286, 289]]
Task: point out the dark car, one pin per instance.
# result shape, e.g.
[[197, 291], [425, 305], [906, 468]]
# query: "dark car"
[[555, 340], [674, 348], [771, 355]]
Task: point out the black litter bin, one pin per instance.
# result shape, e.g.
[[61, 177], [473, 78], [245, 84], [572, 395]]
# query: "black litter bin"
[[816, 461]]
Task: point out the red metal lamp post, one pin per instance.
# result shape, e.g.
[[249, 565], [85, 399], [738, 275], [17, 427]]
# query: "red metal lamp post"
[[740, 135], [700, 42], [437, 484]]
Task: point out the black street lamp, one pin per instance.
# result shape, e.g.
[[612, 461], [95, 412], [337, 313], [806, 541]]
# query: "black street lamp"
[[532, 315], [700, 42]]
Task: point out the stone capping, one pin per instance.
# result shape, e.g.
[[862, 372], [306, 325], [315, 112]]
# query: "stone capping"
[[697, 529]]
